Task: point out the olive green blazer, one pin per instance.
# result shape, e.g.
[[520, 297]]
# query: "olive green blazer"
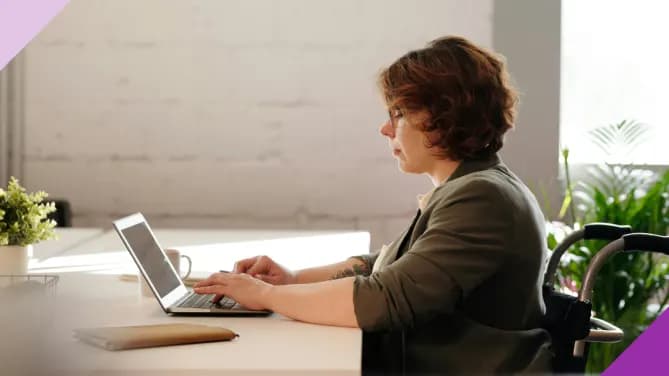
[[460, 290]]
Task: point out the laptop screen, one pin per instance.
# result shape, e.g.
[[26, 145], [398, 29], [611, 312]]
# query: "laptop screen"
[[152, 258]]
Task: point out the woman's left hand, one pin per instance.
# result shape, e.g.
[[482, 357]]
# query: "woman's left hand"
[[250, 292]]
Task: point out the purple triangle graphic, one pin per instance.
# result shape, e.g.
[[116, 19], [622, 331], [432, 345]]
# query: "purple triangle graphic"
[[21, 21], [646, 355]]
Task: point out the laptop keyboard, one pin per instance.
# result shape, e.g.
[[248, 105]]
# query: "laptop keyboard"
[[204, 301]]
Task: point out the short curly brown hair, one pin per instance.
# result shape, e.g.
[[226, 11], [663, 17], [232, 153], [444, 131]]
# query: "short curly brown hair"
[[466, 91]]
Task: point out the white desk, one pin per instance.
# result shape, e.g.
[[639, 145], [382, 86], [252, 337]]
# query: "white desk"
[[270, 345]]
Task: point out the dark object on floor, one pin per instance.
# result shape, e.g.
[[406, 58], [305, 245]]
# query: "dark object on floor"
[[63, 213]]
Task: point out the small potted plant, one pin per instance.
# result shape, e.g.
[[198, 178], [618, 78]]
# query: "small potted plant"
[[23, 222]]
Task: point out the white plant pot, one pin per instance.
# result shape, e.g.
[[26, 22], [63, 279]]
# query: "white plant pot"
[[14, 259]]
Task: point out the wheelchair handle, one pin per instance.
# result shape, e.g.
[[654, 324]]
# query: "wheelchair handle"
[[605, 231], [595, 230], [646, 242]]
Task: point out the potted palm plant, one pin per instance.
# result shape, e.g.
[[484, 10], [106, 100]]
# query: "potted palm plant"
[[631, 289], [23, 222]]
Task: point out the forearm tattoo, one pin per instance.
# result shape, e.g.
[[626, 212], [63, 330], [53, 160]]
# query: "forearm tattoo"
[[357, 269]]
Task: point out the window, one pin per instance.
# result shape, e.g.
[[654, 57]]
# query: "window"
[[615, 67]]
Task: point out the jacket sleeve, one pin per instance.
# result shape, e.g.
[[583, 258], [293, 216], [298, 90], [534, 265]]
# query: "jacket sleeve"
[[368, 259], [463, 244]]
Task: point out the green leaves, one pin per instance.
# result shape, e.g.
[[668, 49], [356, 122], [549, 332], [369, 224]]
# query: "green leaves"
[[23, 216], [623, 194]]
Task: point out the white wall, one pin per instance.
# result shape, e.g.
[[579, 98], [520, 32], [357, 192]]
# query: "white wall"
[[253, 113]]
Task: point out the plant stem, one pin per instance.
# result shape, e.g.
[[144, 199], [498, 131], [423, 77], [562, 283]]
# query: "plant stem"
[[570, 189]]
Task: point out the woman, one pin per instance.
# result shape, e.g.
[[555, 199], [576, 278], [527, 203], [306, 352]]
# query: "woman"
[[460, 290]]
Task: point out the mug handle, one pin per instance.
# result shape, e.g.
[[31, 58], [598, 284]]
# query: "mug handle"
[[190, 264]]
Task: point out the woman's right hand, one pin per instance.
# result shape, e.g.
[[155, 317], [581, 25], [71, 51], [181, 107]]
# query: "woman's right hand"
[[266, 269]]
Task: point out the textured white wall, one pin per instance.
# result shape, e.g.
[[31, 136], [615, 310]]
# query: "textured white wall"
[[246, 113]]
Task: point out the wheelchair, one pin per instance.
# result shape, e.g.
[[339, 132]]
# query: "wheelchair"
[[569, 318]]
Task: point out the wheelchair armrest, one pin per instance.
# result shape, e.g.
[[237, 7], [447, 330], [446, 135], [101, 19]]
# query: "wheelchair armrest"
[[603, 331], [608, 333]]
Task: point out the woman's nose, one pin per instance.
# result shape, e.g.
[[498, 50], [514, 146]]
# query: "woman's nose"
[[387, 129]]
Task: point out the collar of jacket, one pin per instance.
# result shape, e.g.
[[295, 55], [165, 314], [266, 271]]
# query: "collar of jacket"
[[467, 167]]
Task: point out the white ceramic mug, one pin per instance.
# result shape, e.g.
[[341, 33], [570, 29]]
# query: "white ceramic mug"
[[175, 259]]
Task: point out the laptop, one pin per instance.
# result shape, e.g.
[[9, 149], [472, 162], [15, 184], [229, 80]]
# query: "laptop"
[[164, 281]]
